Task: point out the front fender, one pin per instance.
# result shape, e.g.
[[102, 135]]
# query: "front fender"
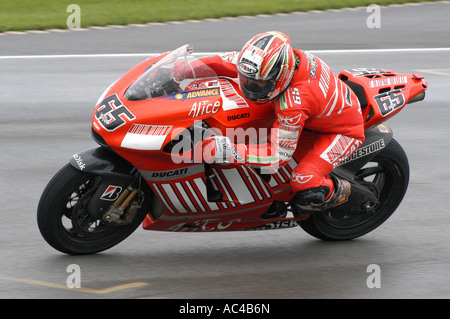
[[101, 161], [115, 173]]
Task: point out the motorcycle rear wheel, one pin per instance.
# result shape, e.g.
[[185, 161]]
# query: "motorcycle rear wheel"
[[63, 219], [389, 171]]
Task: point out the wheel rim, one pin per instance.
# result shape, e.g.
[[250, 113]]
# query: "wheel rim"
[[380, 178], [77, 225]]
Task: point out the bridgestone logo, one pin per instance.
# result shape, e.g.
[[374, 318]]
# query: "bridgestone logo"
[[366, 150]]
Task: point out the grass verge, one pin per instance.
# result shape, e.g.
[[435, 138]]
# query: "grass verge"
[[47, 14]]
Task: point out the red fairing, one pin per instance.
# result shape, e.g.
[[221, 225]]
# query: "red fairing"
[[383, 93], [157, 115]]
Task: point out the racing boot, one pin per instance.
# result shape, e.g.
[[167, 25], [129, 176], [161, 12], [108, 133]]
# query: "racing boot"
[[316, 199]]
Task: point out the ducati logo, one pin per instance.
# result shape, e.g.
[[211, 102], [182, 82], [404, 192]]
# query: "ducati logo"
[[301, 178], [111, 193]]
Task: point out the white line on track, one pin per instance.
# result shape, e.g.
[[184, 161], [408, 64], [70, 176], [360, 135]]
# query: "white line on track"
[[121, 55]]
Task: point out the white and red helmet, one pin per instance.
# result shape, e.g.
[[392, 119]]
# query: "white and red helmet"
[[265, 66]]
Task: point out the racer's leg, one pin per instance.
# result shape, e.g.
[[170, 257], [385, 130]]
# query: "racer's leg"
[[315, 189]]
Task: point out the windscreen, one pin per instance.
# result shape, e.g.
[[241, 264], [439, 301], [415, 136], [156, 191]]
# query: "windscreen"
[[176, 72]]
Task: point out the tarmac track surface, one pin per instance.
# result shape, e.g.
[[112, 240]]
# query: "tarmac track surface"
[[47, 104]]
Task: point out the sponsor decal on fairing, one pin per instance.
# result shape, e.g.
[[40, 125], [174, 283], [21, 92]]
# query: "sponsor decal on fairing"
[[146, 137]]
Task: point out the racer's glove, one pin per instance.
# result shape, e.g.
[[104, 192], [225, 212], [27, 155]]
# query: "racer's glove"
[[219, 149]]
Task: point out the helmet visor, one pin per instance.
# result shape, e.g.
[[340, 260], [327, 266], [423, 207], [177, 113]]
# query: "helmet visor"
[[255, 89]]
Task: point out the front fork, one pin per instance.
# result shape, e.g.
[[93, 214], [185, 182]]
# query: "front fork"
[[115, 213], [115, 173]]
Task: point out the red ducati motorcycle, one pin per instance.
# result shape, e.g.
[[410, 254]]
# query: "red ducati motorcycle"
[[150, 125]]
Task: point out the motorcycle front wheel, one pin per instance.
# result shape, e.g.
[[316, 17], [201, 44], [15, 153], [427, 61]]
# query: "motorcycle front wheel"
[[387, 174], [66, 225]]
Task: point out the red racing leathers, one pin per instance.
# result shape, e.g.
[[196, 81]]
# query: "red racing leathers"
[[316, 103]]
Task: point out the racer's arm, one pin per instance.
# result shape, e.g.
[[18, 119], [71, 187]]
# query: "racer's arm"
[[283, 141], [276, 152], [291, 115], [222, 65]]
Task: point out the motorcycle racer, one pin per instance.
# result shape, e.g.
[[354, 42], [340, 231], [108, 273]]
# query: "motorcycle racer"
[[306, 96]]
